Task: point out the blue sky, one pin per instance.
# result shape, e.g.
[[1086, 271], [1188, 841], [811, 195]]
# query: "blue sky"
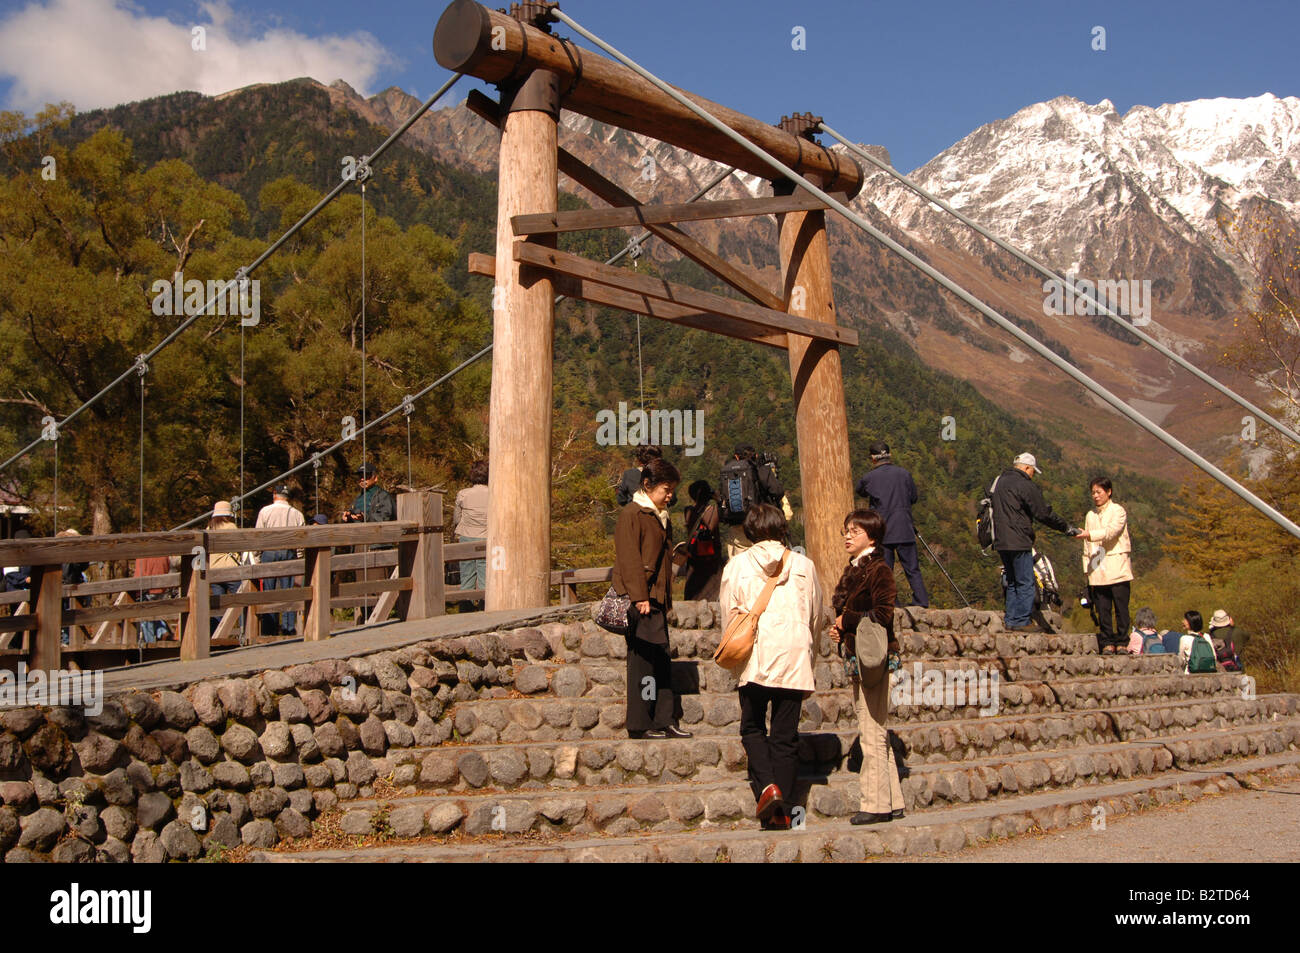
[[914, 78]]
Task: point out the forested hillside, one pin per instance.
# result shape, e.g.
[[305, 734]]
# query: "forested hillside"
[[204, 184]]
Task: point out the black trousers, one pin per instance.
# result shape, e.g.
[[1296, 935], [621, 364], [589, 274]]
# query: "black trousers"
[[906, 553], [773, 755], [1115, 595], [651, 702]]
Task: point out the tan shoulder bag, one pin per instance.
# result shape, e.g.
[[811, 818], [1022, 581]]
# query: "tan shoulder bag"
[[742, 628]]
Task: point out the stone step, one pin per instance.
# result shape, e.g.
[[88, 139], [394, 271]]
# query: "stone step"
[[542, 717], [820, 839], [658, 806], [573, 643], [593, 763], [607, 676], [513, 721]]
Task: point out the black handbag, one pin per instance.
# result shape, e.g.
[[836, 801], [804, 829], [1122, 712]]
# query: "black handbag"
[[611, 614]]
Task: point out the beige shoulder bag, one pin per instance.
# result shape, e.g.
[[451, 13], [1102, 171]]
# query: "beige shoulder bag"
[[742, 628]]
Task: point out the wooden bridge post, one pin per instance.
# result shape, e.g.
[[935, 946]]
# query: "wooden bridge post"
[[523, 320], [820, 418], [46, 593], [196, 619], [421, 558], [316, 615]]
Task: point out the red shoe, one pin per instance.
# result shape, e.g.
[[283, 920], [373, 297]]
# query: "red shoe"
[[769, 802]]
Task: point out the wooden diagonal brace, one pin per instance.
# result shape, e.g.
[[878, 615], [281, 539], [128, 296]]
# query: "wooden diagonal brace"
[[585, 290], [761, 319], [607, 191]]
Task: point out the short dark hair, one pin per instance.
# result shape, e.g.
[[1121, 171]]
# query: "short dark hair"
[[878, 449], [745, 451], [700, 492], [764, 521], [658, 471], [1103, 482], [869, 521], [478, 471], [1194, 619], [647, 452]]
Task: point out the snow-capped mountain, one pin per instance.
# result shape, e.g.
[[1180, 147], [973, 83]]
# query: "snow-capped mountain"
[[1104, 195]]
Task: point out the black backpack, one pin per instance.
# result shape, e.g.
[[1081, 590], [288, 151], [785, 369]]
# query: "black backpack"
[[739, 490]]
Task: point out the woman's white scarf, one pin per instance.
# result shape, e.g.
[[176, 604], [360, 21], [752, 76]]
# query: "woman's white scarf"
[[641, 498]]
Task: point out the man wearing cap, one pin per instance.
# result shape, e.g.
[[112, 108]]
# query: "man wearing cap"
[[891, 491], [280, 514], [374, 504], [1017, 503]]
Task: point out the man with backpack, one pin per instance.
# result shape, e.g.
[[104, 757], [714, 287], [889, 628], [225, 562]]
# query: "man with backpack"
[[746, 481], [891, 491], [1014, 504]]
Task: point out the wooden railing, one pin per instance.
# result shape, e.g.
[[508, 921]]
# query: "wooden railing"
[[410, 582]]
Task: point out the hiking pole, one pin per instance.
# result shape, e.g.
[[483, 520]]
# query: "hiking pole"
[[944, 571]]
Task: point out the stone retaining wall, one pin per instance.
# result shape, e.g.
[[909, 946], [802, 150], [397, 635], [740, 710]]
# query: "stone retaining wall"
[[183, 774]]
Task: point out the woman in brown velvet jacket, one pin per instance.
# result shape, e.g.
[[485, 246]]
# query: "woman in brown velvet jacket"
[[643, 572], [867, 588]]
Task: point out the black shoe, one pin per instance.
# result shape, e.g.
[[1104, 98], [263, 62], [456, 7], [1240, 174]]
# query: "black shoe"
[[672, 731], [897, 814], [862, 817], [649, 733]]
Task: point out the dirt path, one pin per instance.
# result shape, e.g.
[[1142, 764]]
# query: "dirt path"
[[1260, 825]]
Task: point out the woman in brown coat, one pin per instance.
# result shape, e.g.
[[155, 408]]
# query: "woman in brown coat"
[[643, 573], [867, 588]]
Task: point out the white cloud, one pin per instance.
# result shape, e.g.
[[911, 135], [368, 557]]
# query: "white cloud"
[[97, 53]]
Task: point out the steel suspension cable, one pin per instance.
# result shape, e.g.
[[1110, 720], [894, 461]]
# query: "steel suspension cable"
[[142, 369], [243, 272], [1030, 342], [239, 507], [1049, 273], [365, 499], [634, 245]]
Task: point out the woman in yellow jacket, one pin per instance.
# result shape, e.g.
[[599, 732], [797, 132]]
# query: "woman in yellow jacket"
[[1106, 551]]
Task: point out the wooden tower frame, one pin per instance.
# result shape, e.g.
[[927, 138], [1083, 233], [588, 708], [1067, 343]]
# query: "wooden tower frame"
[[538, 73]]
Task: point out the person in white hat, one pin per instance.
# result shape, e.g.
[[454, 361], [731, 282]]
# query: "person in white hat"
[[1017, 504], [223, 518], [1228, 642], [1106, 549]]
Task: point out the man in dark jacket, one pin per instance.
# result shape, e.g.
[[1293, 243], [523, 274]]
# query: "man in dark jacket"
[[1017, 502], [374, 504], [892, 493]]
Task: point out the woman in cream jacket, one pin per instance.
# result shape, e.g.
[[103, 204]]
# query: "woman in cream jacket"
[[1106, 551], [779, 672]]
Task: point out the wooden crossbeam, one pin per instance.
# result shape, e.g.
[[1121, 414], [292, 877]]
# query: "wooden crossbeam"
[[597, 293], [609, 192], [762, 319], [588, 218]]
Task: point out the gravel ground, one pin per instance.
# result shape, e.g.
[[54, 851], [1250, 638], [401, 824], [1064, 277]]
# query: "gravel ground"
[[1260, 825]]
